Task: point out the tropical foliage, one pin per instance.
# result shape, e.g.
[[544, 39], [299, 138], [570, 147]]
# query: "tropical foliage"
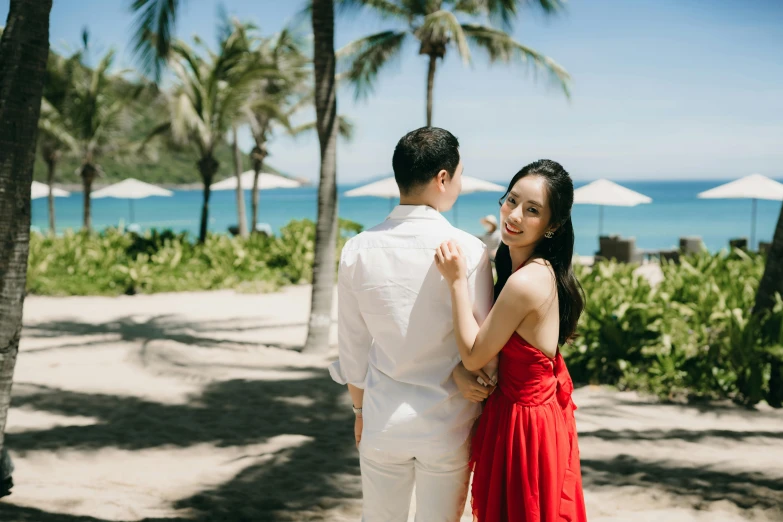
[[692, 335], [115, 262], [88, 115], [435, 27], [211, 93]]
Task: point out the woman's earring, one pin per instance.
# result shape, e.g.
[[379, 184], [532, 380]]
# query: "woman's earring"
[[548, 234]]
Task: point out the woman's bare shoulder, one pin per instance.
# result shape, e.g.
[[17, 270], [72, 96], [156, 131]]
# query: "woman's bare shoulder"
[[533, 281]]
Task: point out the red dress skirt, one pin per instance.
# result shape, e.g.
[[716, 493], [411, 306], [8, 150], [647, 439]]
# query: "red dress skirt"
[[525, 454]]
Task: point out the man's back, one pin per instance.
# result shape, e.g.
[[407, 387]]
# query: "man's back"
[[396, 331]]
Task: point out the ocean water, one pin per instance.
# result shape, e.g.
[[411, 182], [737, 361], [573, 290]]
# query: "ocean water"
[[674, 212]]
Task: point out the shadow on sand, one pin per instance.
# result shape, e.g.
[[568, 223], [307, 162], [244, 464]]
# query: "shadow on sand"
[[227, 413]]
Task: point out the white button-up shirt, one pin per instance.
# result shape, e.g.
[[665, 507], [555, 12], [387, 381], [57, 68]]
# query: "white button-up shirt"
[[396, 333]]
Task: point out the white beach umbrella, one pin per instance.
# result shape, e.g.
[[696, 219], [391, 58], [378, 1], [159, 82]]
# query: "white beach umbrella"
[[266, 181], [387, 188], [604, 192], [131, 189], [753, 187], [384, 188], [41, 190]]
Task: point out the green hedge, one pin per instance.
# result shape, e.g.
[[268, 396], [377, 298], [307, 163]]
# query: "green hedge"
[[114, 262], [691, 336]]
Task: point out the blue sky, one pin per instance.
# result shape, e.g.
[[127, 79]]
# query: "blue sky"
[[662, 89]]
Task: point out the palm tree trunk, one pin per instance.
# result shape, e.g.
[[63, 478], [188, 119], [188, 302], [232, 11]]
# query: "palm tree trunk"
[[326, 228], [430, 85], [51, 165], [24, 47], [259, 155], [241, 214], [207, 167], [770, 284], [88, 173]]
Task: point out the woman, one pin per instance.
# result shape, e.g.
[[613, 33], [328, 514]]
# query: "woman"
[[525, 455]]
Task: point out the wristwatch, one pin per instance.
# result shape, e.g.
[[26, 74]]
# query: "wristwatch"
[[356, 411]]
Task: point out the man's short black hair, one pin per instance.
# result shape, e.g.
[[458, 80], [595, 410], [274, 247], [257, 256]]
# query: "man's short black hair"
[[421, 154]]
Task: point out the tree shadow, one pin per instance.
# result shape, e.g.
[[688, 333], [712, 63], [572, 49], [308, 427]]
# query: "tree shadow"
[[719, 408], [226, 413], [12, 513], [165, 326], [312, 477], [746, 490], [678, 434]]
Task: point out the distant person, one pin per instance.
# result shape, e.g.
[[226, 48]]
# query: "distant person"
[[415, 403], [492, 237], [525, 453]]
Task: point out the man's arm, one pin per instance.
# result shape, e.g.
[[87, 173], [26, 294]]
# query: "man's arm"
[[357, 397], [353, 341]]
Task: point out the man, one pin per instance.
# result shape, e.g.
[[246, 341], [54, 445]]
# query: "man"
[[414, 402]]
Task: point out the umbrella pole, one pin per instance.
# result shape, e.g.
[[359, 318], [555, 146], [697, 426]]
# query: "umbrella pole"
[[753, 226], [600, 220], [130, 208], [391, 204]]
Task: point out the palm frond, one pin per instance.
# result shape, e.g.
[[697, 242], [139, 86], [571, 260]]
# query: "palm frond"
[[153, 32], [441, 28], [345, 128], [548, 6], [159, 130], [303, 129], [267, 110], [471, 7], [100, 73], [181, 51], [502, 47], [384, 8], [421, 7], [365, 57], [504, 12], [54, 128]]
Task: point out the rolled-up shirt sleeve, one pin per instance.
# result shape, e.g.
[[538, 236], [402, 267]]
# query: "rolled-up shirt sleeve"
[[482, 285], [353, 337]]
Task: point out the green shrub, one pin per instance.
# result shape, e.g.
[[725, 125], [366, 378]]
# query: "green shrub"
[[114, 262], [693, 335]]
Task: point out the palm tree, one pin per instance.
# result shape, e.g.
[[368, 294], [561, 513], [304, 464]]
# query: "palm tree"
[[99, 119], [771, 284], [211, 93], [276, 99], [279, 98], [24, 46], [436, 27], [55, 138], [324, 60], [241, 213]]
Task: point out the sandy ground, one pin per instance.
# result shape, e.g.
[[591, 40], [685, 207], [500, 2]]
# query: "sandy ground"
[[199, 407]]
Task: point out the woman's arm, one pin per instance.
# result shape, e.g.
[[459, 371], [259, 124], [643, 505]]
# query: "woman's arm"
[[477, 346]]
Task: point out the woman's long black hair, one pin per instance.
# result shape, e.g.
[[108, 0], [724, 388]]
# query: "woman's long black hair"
[[558, 250]]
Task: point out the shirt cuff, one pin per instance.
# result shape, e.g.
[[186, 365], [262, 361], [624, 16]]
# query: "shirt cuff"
[[336, 372]]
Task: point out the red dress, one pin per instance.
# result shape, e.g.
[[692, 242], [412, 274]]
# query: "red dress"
[[525, 454]]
